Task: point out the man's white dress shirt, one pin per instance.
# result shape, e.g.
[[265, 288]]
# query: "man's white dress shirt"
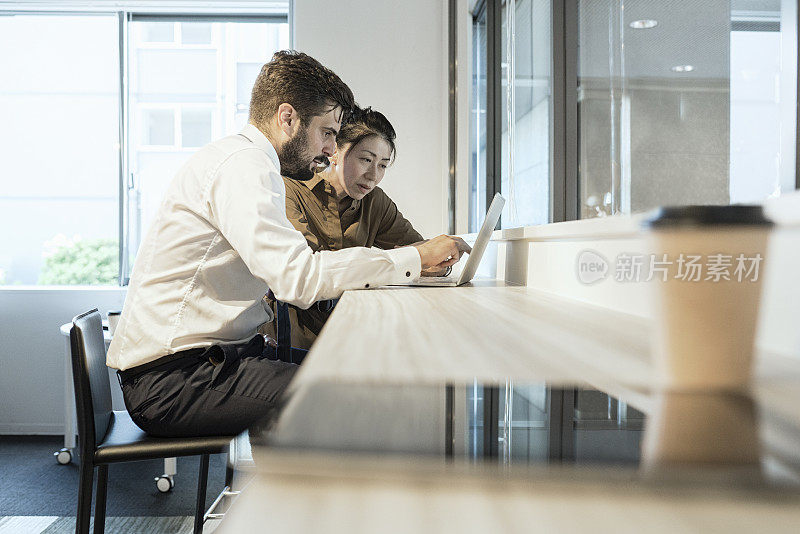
[[220, 240]]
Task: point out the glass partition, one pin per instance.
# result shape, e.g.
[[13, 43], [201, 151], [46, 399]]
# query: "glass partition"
[[686, 102]]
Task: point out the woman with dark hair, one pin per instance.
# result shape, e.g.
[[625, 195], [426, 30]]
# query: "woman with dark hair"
[[342, 206]]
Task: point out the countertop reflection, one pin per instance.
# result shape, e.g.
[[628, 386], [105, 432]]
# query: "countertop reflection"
[[699, 437]]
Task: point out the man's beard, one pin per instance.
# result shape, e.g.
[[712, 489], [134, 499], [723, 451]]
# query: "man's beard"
[[294, 157]]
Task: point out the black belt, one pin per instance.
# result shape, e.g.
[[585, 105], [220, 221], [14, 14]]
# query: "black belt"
[[326, 305], [179, 358]]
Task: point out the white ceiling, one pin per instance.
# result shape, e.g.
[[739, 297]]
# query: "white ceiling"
[[689, 32]]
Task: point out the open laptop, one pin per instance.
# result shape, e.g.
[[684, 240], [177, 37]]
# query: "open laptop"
[[471, 267]]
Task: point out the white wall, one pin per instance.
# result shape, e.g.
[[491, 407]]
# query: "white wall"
[[544, 258], [32, 352], [393, 55]]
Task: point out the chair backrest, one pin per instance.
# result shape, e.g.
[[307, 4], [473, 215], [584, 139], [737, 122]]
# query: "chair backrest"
[[90, 376]]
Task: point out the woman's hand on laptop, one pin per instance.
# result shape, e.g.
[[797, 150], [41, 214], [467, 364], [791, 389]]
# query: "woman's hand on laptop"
[[430, 271], [441, 251]]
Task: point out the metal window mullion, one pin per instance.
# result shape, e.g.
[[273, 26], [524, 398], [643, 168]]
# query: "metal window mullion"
[[493, 98], [491, 421], [564, 191], [208, 17], [568, 425], [122, 151], [571, 128], [555, 418], [452, 30]]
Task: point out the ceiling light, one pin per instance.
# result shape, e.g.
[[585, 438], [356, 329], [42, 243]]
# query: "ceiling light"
[[682, 68], [644, 24]]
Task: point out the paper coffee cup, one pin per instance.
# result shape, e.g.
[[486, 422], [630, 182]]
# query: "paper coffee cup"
[[706, 294], [113, 321]]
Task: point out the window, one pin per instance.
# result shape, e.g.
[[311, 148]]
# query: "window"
[[654, 103], [158, 127], [525, 167], [478, 126], [196, 127], [59, 150], [159, 32], [683, 103], [196, 33], [524, 106], [186, 93], [187, 82]]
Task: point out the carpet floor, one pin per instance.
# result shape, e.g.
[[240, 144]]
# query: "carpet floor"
[[114, 525], [34, 484]]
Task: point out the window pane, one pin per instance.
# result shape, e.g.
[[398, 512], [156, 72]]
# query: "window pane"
[[525, 167], [158, 32], [196, 127], [246, 74], [204, 86], [196, 33], [684, 103], [59, 150], [175, 75], [524, 106], [477, 196], [158, 127]]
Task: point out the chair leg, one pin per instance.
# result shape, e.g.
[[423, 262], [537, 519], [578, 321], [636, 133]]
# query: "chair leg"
[[229, 469], [202, 482], [84, 497], [100, 499]]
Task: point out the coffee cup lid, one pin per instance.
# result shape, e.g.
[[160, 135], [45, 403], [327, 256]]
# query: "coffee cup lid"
[[682, 216]]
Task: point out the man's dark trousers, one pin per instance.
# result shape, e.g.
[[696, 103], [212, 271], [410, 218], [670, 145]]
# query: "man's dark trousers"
[[222, 390]]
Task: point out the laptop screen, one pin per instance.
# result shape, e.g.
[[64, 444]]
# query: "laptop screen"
[[484, 236]]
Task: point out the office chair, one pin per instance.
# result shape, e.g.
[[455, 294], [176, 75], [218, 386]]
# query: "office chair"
[[108, 436]]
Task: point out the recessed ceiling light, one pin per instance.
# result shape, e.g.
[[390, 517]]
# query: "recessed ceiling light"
[[644, 24], [682, 68]]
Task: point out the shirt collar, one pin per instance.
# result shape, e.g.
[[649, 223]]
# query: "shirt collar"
[[252, 133], [320, 178], [313, 182]]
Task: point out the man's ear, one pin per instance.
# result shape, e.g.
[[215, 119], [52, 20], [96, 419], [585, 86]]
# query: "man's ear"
[[287, 118]]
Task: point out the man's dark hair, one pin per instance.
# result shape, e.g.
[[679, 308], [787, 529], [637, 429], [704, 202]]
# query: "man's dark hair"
[[364, 123], [300, 80]]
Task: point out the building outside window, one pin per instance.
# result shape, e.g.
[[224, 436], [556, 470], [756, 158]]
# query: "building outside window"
[[188, 83]]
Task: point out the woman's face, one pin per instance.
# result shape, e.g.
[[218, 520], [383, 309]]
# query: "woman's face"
[[363, 165]]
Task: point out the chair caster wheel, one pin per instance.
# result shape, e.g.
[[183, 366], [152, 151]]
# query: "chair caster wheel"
[[164, 483], [64, 456]]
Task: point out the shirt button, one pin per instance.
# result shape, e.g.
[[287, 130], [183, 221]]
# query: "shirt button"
[[366, 286], [408, 273]]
